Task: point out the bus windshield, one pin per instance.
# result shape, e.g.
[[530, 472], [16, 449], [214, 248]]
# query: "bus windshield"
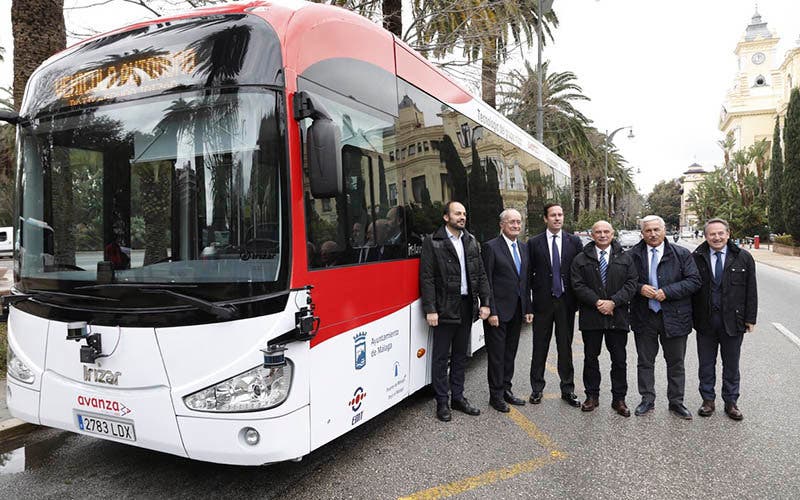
[[182, 188]]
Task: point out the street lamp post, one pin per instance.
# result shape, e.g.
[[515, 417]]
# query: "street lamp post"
[[544, 6], [609, 138]]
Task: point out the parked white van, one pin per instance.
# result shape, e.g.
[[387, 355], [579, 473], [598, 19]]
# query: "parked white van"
[[6, 241]]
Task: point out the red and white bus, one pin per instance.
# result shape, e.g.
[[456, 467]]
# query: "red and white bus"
[[218, 224]]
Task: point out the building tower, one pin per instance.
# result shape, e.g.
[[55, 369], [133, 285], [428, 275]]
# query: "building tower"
[[750, 106]]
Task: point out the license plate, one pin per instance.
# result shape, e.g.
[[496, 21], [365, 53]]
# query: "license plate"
[[119, 429]]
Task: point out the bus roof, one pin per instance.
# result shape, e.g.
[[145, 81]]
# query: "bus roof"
[[282, 15]]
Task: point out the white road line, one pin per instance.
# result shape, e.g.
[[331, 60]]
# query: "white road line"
[[785, 331]]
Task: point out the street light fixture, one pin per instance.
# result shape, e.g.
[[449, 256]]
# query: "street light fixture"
[[606, 179]]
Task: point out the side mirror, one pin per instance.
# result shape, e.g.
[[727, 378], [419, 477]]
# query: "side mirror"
[[9, 116], [323, 149]]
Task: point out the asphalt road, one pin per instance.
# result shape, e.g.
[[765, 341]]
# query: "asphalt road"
[[546, 451]]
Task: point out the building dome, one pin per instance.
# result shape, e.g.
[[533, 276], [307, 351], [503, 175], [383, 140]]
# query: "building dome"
[[695, 168]]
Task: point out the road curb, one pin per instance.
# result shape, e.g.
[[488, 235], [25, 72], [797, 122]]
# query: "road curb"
[[14, 428]]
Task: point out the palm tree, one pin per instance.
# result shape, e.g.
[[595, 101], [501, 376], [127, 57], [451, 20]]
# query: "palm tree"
[[38, 29], [484, 28], [566, 130], [390, 12], [758, 152]]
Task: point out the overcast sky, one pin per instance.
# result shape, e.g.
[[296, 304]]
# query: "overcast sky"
[[663, 67]]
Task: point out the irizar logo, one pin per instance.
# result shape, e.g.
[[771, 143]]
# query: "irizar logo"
[[360, 349], [101, 376]]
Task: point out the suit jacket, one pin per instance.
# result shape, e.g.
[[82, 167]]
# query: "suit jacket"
[[541, 275], [678, 277], [509, 288], [739, 291]]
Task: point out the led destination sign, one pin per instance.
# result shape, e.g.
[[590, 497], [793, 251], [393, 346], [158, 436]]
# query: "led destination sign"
[[131, 75]]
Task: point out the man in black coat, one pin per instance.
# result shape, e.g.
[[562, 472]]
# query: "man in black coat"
[[604, 280], [551, 254], [505, 259], [662, 311], [724, 309], [452, 281]]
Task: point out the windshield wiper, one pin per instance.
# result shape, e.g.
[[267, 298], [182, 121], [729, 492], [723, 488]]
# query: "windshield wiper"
[[221, 311], [9, 300]]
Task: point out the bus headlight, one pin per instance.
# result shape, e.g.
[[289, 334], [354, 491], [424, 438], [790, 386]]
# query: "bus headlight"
[[257, 389], [18, 369]]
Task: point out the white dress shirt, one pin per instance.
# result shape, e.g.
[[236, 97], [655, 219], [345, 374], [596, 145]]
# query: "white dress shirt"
[[459, 246]]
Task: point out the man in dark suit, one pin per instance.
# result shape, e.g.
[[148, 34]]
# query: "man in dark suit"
[[551, 254], [604, 280], [505, 259], [724, 309], [452, 282], [662, 311]]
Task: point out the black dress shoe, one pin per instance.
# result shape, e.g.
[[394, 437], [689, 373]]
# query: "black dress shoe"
[[707, 408], [443, 412], [535, 398], [509, 398], [463, 406], [499, 405], [680, 411], [733, 411], [644, 408], [571, 399]]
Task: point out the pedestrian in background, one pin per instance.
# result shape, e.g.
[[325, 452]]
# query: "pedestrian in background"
[[551, 253], [604, 280], [724, 309], [662, 312], [452, 282], [505, 259]]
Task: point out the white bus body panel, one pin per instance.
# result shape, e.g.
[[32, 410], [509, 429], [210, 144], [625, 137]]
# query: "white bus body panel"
[[200, 356], [358, 374], [26, 336], [221, 441], [421, 338]]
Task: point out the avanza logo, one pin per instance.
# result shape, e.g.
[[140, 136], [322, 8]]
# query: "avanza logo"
[[108, 405]]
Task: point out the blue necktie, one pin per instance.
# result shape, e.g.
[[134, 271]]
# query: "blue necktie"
[[718, 268], [557, 287], [603, 267], [516, 257], [655, 305]]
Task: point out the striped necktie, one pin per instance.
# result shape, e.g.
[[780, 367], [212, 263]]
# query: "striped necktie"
[[603, 267]]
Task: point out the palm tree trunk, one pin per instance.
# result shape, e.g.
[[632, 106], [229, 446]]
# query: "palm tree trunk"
[[38, 28], [392, 16], [489, 72]]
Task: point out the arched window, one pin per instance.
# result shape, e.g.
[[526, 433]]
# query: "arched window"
[[760, 81]]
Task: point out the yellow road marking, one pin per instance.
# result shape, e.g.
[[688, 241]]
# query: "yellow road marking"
[[497, 475], [493, 476]]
